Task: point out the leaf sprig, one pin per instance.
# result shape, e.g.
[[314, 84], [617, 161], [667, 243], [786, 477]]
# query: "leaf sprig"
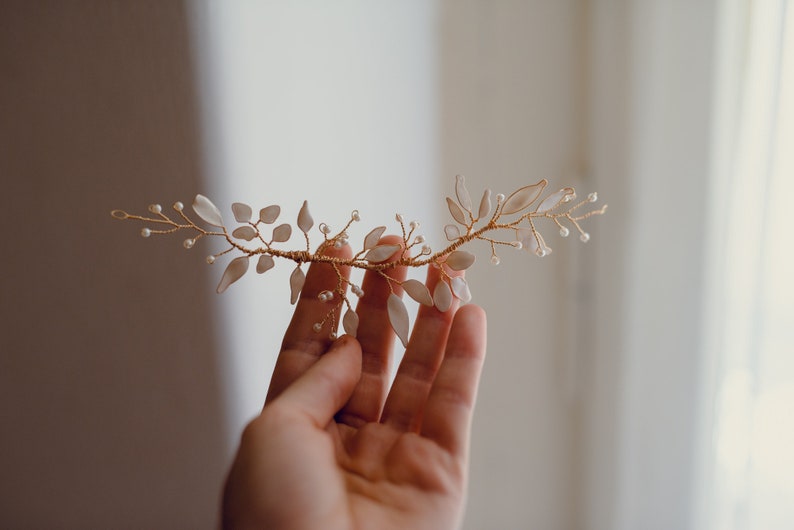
[[513, 219]]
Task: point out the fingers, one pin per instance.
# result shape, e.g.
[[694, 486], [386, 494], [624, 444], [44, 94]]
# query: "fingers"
[[414, 378], [377, 339], [322, 390], [302, 345], [449, 407]]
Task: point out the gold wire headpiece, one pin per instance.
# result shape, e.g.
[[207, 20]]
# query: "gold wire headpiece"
[[512, 214]]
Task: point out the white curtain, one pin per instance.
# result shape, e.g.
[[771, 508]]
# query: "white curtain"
[[747, 479]]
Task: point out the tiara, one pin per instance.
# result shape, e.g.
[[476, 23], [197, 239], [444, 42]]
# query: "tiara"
[[510, 223]]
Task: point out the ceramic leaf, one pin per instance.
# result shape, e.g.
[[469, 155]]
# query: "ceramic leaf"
[[234, 271], [523, 197], [207, 211], [269, 214], [398, 317], [242, 212], [460, 260], [418, 291]]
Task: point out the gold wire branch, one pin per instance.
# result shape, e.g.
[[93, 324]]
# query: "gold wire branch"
[[512, 219]]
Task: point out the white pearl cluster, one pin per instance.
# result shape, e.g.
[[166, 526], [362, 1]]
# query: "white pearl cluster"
[[325, 296]]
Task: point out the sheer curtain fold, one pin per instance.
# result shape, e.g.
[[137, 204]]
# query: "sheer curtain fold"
[[747, 468]]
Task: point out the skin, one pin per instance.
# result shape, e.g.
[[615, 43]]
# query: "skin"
[[335, 447]]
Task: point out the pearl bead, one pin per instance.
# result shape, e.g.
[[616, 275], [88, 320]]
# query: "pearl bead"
[[145, 232], [317, 327], [414, 224], [564, 232], [495, 260], [517, 244], [540, 252], [593, 197], [584, 238], [155, 208], [332, 335], [500, 197], [399, 218], [188, 243], [426, 249], [178, 206], [210, 259], [324, 228], [338, 244], [419, 239], [355, 216]]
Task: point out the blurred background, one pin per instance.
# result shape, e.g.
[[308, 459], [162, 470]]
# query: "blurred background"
[[641, 380]]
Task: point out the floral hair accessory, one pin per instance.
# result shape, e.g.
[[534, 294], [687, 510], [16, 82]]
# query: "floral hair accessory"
[[510, 223]]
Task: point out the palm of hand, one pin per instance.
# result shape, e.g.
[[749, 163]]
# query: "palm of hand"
[[336, 448]]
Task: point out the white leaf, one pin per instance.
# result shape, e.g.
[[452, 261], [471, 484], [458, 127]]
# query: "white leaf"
[[305, 221], [264, 264], [452, 232], [382, 253], [242, 212], [531, 242], [244, 232], [485, 204], [350, 322], [456, 212], [418, 291], [462, 193], [460, 260], [282, 233], [442, 296], [398, 317], [269, 214], [207, 211], [296, 281], [523, 197], [373, 237], [234, 271], [461, 289], [554, 200]]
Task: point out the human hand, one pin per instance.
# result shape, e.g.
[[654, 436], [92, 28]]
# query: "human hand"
[[335, 448]]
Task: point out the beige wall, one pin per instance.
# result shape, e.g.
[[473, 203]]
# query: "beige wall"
[[110, 408]]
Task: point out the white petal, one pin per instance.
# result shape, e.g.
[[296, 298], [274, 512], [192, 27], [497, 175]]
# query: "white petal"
[[264, 264], [398, 317], [442, 296], [460, 260], [244, 232], [523, 197], [207, 211], [234, 271], [456, 212], [452, 232], [242, 212], [382, 253], [269, 214], [373, 237], [461, 289], [485, 205], [418, 291], [554, 200], [350, 322], [305, 221], [296, 281], [282, 233], [462, 193]]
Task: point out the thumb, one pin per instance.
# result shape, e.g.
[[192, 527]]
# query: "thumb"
[[327, 385]]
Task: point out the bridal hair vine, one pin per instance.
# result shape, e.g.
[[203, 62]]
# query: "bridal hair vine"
[[512, 219]]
